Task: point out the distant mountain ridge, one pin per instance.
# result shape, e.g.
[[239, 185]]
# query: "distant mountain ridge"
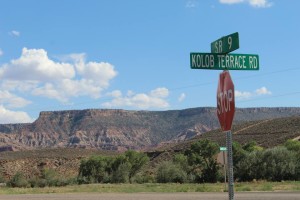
[[114, 129]]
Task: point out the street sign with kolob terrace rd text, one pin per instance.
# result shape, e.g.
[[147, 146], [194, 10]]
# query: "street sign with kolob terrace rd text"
[[216, 61]]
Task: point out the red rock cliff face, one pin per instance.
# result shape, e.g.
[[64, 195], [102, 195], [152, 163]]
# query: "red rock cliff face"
[[120, 129]]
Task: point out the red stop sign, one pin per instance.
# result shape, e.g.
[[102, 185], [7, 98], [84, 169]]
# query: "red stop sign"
[[225, 101]]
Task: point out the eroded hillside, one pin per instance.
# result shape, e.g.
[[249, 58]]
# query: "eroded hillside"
[[121, 129]]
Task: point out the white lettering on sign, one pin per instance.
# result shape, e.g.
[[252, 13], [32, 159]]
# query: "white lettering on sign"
[[232, 61], [218, 46], [253, 63], [229, 42], [203, 61], [224, 100]]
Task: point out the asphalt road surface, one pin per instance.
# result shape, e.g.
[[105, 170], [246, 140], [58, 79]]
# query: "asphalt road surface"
[[157, 196]]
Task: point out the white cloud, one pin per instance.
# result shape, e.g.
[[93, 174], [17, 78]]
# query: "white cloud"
[[50, 91], [34, 64], [154, 99], [191, 4], [129, 93], [247, 95], [11, 100], [35, 72], [231, 1], [8, 116], [263, 91], [260, 3], [253, 3], [181, 97], [99, 72], [242, 95], [74, 57], [67, 88], [160, 93], [15, 33], [15, 85], [115, 94], [1, 52]]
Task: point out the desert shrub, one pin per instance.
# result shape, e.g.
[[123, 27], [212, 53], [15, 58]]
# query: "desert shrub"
[[143, 177], [279, 164], [249, 167], [37, 182], [292, 145], [18, 180], [252, 146], [274, 164], [182, 161], [50, 178], [121, 174], [2, 179], [120, 169], [169, 172]]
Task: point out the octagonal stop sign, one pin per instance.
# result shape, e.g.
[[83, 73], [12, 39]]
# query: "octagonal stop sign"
[[225, 101]]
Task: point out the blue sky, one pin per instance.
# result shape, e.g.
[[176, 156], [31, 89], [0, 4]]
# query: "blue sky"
[[71, 54]]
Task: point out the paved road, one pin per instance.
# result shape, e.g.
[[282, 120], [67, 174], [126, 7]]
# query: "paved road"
[[157, 196]]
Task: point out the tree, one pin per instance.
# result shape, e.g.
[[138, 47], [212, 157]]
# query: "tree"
[[136, 161], [181, 160], [238, 153], [201, 158], [95, 169]]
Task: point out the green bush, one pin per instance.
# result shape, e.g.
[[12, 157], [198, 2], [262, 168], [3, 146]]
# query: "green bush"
[[279, 164], [169, 172], [120, 169], [274, 164], [2, 179], [18, 180], [249, 167], [252, 146], [143, 177], [121, 174], [293, 145]]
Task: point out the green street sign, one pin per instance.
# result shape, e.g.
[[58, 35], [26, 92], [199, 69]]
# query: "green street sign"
[[216, 61], [223, 148], [226, 44]]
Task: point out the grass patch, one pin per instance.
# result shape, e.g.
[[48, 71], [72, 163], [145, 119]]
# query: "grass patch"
[[157, 187], [268, 186]]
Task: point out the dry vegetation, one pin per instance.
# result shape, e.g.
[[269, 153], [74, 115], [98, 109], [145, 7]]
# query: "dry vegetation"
[[65, 161]]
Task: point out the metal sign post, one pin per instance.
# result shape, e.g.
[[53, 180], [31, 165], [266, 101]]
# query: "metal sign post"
[[230, 165], [223, 149]]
